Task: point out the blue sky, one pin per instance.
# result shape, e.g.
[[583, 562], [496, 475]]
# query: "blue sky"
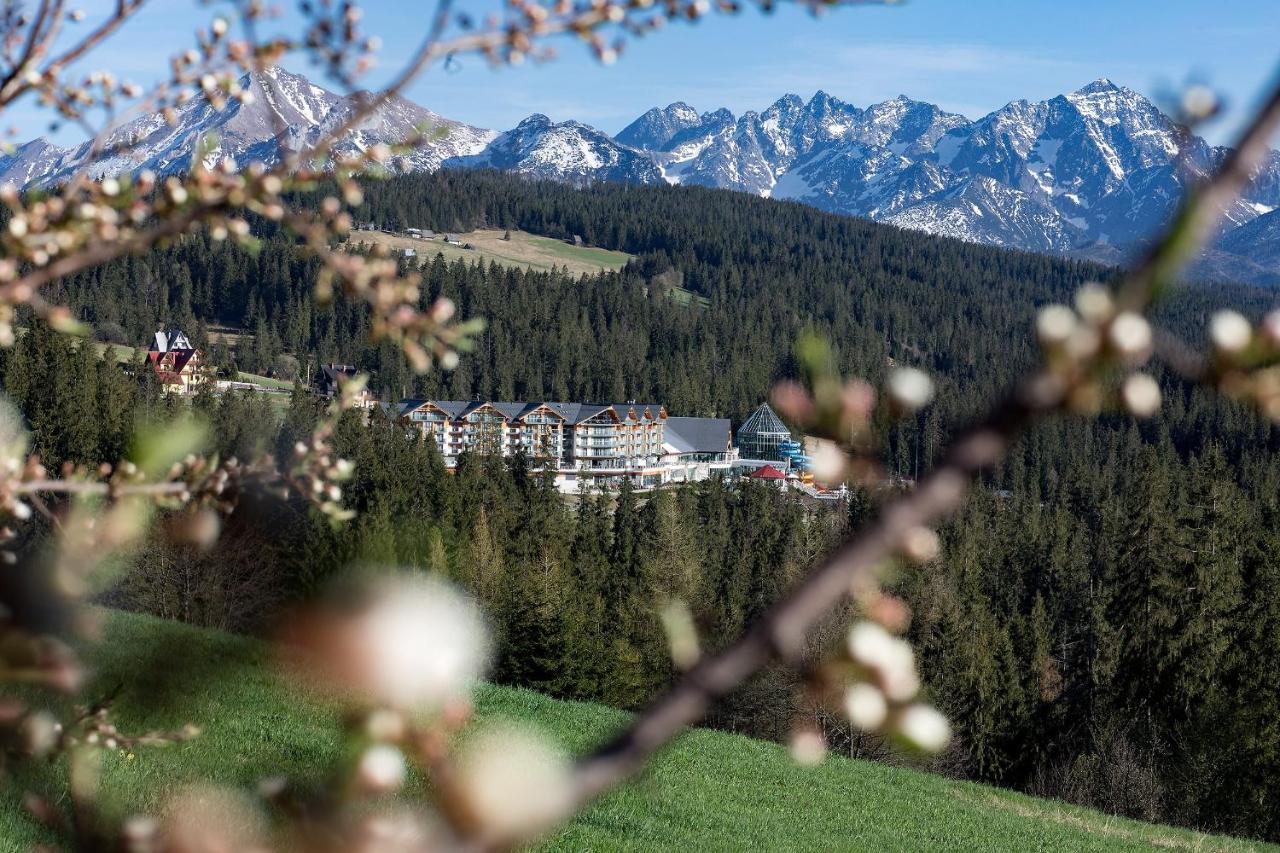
[[969, 56]]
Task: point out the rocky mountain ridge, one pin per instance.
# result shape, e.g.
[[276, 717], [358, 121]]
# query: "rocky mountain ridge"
[[1091, 173]]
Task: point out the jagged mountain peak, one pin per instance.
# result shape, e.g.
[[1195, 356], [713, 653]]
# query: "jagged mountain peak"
[[657, 126], [1102, 84], [286, 113], [535, 120], [1099, 166]]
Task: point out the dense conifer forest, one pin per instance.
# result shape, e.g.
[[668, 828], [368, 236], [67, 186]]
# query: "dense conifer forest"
[[1103, 625]]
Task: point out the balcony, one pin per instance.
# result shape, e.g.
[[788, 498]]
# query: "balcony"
[[596, 453]]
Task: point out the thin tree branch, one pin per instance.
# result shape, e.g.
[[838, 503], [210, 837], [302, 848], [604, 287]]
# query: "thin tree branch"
[[1201, 212], [780, 633]]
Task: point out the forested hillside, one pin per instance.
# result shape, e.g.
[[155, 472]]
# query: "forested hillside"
[[1104, 624]]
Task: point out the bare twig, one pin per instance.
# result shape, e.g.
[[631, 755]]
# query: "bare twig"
[[780, 633]]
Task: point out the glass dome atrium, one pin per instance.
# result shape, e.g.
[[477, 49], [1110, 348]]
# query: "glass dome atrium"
[[762, 435]]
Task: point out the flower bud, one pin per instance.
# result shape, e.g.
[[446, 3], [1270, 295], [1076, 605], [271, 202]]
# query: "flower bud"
[[924, 728], [910, 389], [865, 706], [830, 463], [1230, 332], [808, 747], [1130, 336], [1094, 303], [513, 784], [1199, 102], [920, 545], [1054, 325], [381, 769], [1141, 395]]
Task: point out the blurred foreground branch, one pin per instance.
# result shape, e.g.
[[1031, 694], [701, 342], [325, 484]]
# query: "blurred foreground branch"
[[780, 634]]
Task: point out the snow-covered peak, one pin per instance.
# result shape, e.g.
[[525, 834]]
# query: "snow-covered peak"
[[286, 113], [1100, 166], [655, 128], [1102, 84]]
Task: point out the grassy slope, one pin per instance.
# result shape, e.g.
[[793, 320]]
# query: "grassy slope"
[[711, 791], [523, 250]]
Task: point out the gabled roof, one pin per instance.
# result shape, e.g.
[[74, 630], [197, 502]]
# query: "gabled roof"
[[171, 339], [626, 410], [333, 371], [331, 375], [571, 413], [697, 435], [576, 413], [168, 370]]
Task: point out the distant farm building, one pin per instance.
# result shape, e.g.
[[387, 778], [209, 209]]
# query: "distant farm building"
[[179, 366]]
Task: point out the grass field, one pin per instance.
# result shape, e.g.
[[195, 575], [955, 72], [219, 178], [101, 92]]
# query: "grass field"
[[683, 296], [708, 792], [264, 381], [524, 250]]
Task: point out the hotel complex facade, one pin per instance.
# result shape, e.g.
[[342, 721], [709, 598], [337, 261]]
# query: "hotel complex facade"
[[598, 445]]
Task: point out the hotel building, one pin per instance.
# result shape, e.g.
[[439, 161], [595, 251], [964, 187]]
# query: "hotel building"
[[602, 444]]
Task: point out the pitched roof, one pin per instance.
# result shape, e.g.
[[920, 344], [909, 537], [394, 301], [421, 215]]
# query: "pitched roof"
[[171, 339], [170, 364], [697, 435], [763, 421], [624, 409], [333, 371], [573, 413], [767, 472]]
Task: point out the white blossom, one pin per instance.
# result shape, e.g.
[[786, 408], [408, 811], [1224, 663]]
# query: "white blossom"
[[924, 728], [889, 657], [865, 706], [920, 544], [910, 388], [830, 464], [808, 748], [1055, 324], [1230, 332], [514, 783], [1130, 334], [1141, 395], [1199, 102], [1094, 303], [381, 768], [417, 644]]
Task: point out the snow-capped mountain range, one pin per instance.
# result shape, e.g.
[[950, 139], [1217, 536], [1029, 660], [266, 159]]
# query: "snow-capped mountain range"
[[285, 113], [1092, 173]]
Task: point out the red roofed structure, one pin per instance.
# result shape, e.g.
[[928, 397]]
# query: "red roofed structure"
[[179, 366], [767, 472]]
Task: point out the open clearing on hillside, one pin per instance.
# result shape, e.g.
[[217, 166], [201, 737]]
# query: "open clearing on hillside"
[[523, 250], [709, 791]]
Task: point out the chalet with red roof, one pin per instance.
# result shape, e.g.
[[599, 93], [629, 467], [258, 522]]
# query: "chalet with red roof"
[[179, 366]]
